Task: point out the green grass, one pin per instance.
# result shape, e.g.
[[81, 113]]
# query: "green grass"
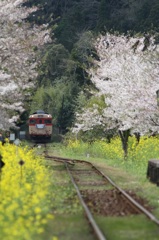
[[132, 228], [69, 227]]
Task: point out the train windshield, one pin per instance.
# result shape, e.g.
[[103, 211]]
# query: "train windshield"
[[47, 121], [40, 121], [32, 121]]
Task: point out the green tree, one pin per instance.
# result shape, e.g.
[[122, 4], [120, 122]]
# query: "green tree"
[[54, 64], [83, 53], [104, 13], [59, 100]]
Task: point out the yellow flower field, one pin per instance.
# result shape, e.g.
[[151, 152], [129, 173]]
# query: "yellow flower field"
[[138, 153], [24, 201]]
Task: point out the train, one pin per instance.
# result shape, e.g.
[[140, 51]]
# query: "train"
[[40, 126]]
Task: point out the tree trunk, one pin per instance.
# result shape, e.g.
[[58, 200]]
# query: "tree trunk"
[[124, 135], [137, 136]]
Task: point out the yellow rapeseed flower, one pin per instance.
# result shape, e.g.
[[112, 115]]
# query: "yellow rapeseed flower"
[[24, 203]]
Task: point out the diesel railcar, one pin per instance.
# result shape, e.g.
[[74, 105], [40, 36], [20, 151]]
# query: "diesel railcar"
[[40, 126]]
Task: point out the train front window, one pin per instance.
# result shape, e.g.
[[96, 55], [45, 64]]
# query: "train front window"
[[32, 121], [47, 121], [40, 121]]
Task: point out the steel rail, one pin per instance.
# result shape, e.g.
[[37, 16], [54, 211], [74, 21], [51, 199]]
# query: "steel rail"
[[95, 227], [127, 196]]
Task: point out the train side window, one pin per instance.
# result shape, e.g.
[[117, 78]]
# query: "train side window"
[[32, 121]]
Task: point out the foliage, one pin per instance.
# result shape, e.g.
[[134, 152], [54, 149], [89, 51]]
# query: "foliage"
[[57, 62], [83, 53], [147, 16], [54, 64], [25, 205], [98, 148], [138, 157], [59, 101], [73, 17]]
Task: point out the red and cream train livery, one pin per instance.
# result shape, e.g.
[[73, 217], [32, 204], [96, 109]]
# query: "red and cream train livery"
[[40, 125]]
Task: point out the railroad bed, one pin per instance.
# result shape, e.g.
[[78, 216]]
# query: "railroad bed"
[[101, 197]]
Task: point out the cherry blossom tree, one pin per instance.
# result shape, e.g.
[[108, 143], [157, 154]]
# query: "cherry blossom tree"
[[19, 45], [128, 76]]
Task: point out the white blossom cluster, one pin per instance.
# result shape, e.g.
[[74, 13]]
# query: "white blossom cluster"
[[127, 74], [18, 58], [92, 114]]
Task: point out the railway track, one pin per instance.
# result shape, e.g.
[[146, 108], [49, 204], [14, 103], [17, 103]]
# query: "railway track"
[[98, 194]]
